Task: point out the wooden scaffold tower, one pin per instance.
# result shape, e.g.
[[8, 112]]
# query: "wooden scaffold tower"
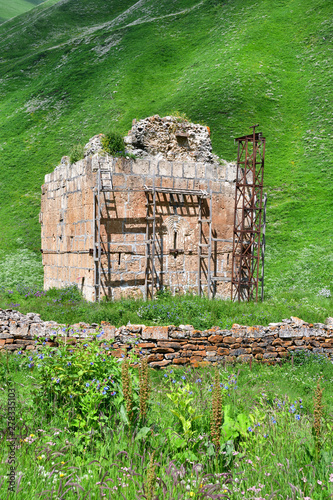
[[248, 247]]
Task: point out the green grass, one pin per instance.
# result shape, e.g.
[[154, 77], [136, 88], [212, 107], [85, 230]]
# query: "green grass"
[[68, 307], [272, 451], [16, 7], [71, 70]]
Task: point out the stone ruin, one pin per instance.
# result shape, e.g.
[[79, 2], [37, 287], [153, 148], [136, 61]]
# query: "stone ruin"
[[170, 138], [120, 227]]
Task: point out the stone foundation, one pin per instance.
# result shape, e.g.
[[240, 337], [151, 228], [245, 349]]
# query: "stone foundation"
[[170, 345]]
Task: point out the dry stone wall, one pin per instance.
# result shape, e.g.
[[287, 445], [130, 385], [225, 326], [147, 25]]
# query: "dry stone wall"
[[170, 345]]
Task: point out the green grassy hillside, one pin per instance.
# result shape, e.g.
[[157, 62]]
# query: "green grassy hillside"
[[72, 69], [12, 8]]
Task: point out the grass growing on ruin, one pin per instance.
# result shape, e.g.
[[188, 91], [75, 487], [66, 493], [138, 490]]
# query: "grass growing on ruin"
[[74, 69], [67, 306], [276, 435]]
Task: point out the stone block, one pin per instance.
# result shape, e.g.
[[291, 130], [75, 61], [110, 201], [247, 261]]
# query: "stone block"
[[170, 345], [6, 336], [181, 361], [172, 355], [155, 333], [270, 355], [258, 350], [238, 352], [155, 357], [209, 354], [109, 332], [214, 339], [18, 329], [244, 358], [160, 364], [145, 345], [177, 169], [284, 354], [223, 351], [163, 350], [165, 168]]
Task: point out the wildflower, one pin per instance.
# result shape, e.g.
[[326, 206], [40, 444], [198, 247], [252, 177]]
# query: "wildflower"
[[249, 429], [198, 381], [69, 363], [91, 363], [61, 475], [183, 377], [173, 381], [273, 420], [265, 435], [87, 384], [297, 417], [165, 375], [330, 479], [71, 395], [58, 379]]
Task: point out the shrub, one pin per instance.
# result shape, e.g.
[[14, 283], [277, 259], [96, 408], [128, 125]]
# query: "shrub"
[[113, 144], [77, 153], [82, 384]]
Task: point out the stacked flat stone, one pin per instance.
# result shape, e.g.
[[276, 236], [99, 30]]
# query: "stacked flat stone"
[[167, 345]]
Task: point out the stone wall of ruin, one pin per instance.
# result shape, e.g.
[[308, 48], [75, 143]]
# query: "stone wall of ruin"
[[67, 224], [171, 345]]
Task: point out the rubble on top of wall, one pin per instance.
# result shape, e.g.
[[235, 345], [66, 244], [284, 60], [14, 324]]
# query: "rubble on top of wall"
[[94, 145], [170, 138]]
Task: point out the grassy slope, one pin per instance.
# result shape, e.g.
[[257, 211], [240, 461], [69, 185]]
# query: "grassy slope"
[[79, 67], [12, 8]]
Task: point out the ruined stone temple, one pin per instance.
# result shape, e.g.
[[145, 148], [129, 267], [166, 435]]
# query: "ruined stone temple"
[[130, 227]]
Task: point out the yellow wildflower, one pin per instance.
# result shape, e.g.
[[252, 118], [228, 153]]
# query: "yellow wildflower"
[[61, 475], [32, 435], [40, 457], [62, 463]]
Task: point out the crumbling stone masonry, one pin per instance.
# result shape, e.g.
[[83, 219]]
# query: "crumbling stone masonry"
[[171, 345], [162, 220]]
